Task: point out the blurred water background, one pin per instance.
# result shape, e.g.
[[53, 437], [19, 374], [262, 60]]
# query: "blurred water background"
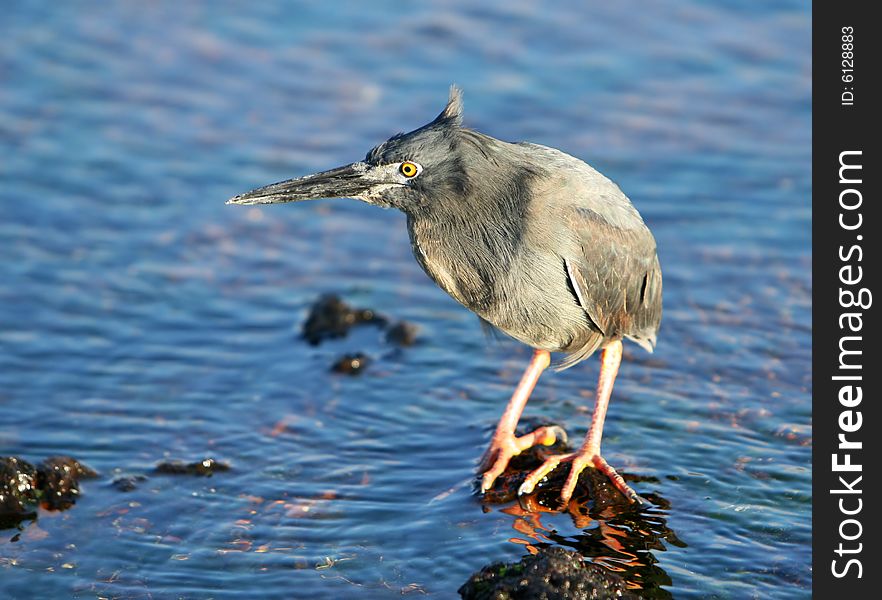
[[142, 319]]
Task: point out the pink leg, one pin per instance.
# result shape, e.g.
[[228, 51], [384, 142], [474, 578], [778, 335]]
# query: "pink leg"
[[504, 444], [589, 452], [610, 360]]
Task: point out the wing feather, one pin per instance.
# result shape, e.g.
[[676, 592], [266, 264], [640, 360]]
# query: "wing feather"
[[617, 277]]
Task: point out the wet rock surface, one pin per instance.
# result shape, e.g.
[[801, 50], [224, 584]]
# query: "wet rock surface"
[[201, 468], [53, 484], [594, 487], [18, 490], [553, 573], [58, 478]]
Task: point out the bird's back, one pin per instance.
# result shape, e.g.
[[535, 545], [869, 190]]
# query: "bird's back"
[[610, 257]]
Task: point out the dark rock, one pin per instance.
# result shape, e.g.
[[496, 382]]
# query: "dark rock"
[[68, 464], [505, 489], [593, 486], [127, 483], [552, 574], [330, 317], [402, 334], [18, 490], [351, 364], [203, 468], [54, 483], [58, 480]]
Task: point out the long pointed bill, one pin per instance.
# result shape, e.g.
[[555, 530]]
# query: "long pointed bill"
[[343, 182]]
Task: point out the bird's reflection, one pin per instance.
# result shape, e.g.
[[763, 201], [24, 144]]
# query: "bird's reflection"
[[615, 534]]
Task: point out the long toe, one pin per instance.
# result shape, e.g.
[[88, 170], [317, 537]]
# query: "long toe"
[[490, 475], [605, 468], [501, 451], [496, 459], [537, 475], [577, 465]]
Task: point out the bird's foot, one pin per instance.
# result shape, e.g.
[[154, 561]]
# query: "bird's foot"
[[504, 447], [578, 461]]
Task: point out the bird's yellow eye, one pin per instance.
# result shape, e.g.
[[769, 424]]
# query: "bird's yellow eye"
[[408, 169]]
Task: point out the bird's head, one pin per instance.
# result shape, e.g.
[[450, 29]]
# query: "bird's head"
[[405, 171]]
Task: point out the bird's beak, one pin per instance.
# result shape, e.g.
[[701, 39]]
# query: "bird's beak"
[[343, 182]]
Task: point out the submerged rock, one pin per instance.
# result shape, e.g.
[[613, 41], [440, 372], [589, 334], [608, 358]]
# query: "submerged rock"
[[128, 483], [551, 574], [330, 317], [203, 468], [402, 334], [351, 364]]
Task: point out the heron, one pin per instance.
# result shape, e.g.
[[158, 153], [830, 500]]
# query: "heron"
[[535, 242]]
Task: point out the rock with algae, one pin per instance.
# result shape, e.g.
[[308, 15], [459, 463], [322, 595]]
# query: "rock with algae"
[[552, 574]]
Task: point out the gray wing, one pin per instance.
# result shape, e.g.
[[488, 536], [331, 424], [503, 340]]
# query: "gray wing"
[[616, 276]]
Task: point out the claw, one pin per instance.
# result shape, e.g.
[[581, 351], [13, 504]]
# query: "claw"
[[616, 479], [502, 450]]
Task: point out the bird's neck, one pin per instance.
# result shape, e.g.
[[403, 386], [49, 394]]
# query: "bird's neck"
[[466, 245]]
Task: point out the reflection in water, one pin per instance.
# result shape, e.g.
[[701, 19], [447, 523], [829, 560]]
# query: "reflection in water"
[[616, 535]]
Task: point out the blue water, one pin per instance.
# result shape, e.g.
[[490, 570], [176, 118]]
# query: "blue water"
[[141, 319]]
